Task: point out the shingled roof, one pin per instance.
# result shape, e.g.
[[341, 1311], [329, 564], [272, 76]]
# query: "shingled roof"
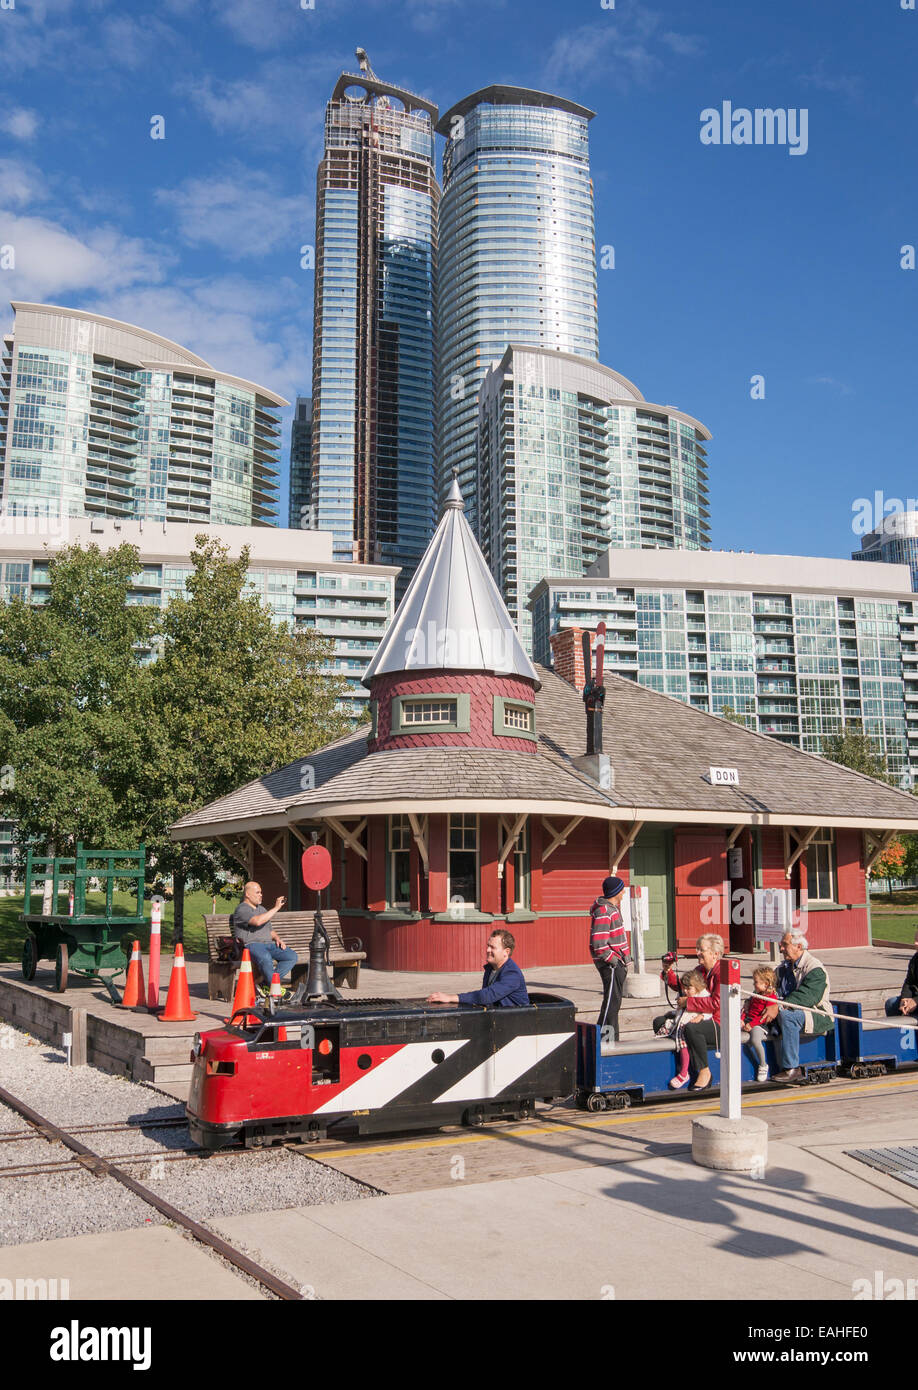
[[660, 750]]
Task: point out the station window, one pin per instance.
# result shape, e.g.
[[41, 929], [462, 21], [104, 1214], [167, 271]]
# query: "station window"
[[521, 870], [428, 712], [463, 861], [820, 867], [398, 892]]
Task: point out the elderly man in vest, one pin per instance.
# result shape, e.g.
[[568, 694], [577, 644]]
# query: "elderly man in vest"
[[803, 987]]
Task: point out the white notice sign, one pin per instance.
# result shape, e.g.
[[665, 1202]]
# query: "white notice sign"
[[724, 777]]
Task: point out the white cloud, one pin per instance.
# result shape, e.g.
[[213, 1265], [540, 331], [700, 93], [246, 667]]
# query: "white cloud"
[[275, 106], [240, 212], [262, 25], [249, 328], [623, 49], [19, 122], [840, 386], [52, 261], [20, 185]]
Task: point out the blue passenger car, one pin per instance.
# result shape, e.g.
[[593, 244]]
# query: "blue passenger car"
[[872, 1051], [612, 1074]]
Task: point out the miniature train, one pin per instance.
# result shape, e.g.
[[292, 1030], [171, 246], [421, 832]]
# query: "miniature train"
[[379, 1066]]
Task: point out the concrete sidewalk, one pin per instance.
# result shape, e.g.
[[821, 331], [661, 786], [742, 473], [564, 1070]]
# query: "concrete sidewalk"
[[655, 1227]]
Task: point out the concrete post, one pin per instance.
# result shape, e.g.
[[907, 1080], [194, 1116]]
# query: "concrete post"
[[729, 1140]]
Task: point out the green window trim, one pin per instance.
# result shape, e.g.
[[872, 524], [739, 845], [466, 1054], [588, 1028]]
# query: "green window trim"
[[500, 729], [460, 725], [374, 714]]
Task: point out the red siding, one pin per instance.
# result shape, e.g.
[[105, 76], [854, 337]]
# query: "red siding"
[[437, 884], [573, 876], [489, 888], [376, 863], [699, 863], [427, 945]]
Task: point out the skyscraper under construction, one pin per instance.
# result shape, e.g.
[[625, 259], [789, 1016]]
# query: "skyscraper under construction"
[[373, 355]]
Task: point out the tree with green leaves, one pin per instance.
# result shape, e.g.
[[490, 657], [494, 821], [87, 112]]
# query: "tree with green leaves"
[[111, 751], [69, 699], [851, 747], [231, 696]]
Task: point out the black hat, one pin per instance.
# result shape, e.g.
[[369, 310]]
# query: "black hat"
[[611, 887]]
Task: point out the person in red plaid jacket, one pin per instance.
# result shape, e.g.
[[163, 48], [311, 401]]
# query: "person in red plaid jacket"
[[609, 949]]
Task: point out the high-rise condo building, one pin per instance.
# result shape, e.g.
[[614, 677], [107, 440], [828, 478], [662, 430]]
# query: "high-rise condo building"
[[300, 464], [517, 253], [373, 346], [571, 460], [792, 646], [100, 418]]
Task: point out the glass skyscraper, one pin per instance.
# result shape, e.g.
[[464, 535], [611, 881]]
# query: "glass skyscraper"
[[301, 464], [571, 460], [373, 349], [99, 418], [517, 251]]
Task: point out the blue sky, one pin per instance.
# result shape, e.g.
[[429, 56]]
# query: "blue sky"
[[730, 261]]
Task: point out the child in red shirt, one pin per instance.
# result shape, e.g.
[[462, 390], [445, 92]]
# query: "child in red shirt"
[[765, 984]]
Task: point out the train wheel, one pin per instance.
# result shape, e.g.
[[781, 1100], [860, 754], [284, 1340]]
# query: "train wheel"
[[60, 968], [620, 1101], [29, 957], [595, 1103]]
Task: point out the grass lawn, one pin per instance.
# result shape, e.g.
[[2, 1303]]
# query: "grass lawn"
[[12, 929], [894, 926]]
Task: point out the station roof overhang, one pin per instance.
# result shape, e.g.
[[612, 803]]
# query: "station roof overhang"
[[619, 815]]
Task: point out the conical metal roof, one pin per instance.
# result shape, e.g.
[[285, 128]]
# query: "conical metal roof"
[[452, 617]]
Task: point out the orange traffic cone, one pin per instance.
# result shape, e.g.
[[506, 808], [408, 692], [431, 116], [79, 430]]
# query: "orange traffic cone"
[[134, 987], [178, 1004], [244, 997]]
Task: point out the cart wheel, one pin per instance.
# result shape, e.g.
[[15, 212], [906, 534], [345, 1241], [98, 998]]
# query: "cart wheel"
[[29, 957], [60, 968], [595, 1103]]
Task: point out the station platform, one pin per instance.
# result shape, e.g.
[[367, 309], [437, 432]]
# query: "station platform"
[[137, 1045]]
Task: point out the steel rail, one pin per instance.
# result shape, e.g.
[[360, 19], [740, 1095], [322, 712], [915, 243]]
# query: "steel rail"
[[12, 1136], [97, 1164]]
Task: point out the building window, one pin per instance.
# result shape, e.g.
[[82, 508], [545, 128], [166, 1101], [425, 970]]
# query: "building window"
[[820, 868], [398, 887], [521, 870], [446, 713], [512, 719], [428, 712], [463, 861]]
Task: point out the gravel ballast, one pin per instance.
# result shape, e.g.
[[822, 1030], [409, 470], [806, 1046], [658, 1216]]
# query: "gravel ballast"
[[53, 1205]]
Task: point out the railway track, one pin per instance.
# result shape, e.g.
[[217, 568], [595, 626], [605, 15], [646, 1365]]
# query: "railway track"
[[102, 1166]]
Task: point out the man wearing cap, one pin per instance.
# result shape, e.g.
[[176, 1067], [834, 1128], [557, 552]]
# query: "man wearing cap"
[[609, 949]]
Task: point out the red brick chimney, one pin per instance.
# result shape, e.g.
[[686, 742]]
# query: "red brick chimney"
[[567, 656]]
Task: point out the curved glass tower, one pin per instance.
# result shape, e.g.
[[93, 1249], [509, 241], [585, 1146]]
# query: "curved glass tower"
[[517, 259]]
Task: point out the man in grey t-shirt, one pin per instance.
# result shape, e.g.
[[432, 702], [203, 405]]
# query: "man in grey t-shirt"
[[251, 924]]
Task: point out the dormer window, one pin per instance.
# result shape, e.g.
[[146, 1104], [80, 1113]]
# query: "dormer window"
[[514, 719], [428, 712], [446, 713]]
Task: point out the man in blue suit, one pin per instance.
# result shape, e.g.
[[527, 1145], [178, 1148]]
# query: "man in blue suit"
[[503, 986]]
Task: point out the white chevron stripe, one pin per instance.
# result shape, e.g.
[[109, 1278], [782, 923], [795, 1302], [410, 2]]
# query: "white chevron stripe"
[[387, 1080], [501, 1069]]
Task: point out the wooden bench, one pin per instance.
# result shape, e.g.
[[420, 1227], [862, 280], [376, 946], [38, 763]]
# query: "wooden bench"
[[296, 929]]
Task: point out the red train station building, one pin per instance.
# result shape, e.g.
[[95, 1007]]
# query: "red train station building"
[[469, 803]]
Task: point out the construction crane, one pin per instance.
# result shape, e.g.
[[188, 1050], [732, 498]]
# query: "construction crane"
[[363, 60]]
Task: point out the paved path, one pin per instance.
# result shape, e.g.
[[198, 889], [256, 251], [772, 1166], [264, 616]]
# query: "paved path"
[[639, 1221]]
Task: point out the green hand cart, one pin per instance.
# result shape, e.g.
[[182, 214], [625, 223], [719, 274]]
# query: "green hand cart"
[[84, 941]]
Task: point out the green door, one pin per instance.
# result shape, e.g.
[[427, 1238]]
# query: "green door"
[[650, 865]]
